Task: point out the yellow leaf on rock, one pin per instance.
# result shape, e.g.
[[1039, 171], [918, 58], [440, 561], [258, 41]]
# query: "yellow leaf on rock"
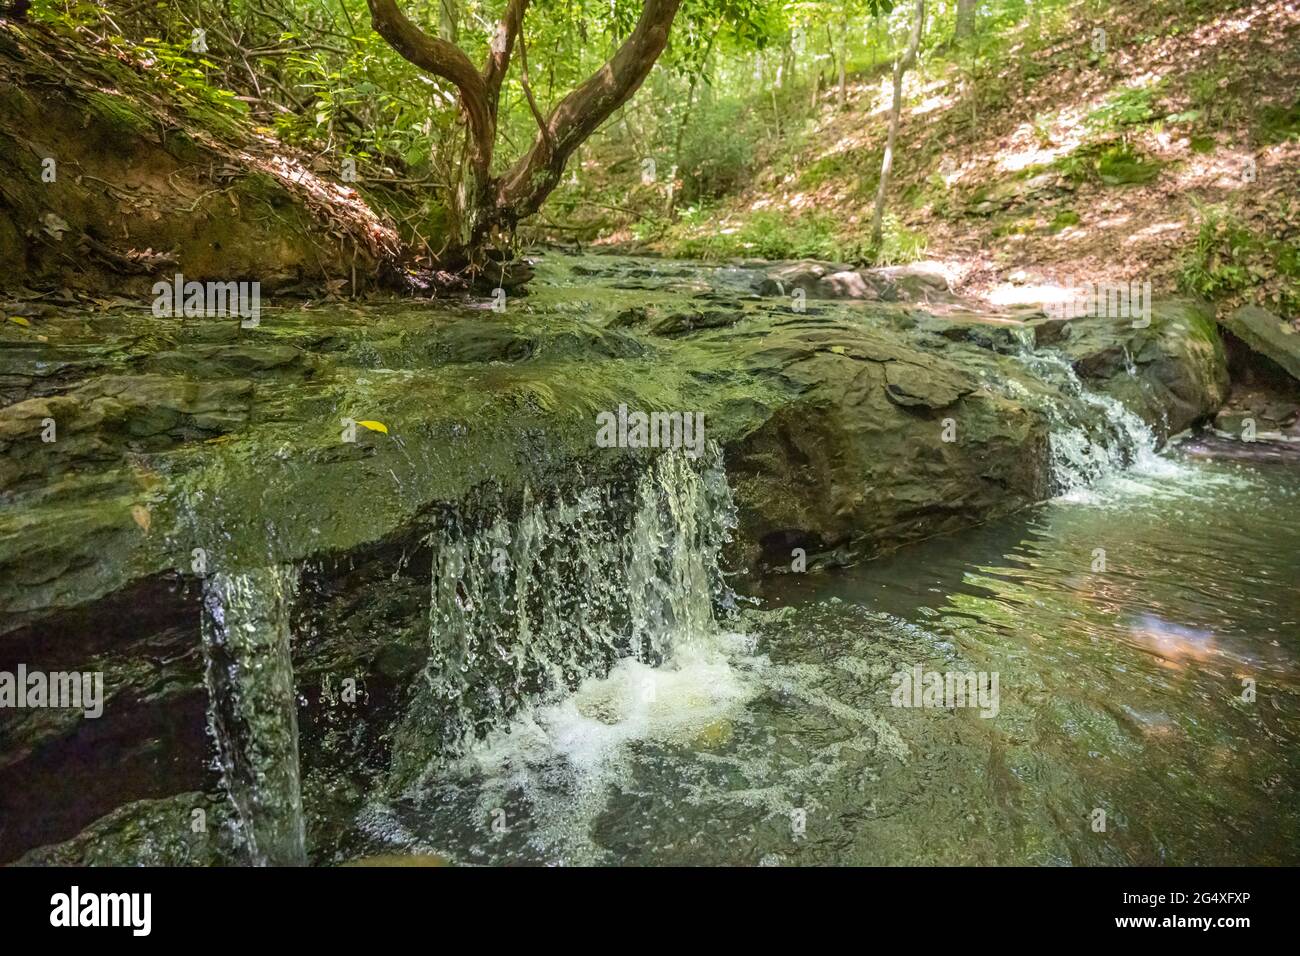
[[19, 320], [375, 426], [141, 515]]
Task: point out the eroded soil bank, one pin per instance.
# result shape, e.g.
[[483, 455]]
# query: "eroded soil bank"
[[112, 177]]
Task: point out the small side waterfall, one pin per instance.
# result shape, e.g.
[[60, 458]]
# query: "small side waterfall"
[[252, 708], [1084, 452], [534, 602]]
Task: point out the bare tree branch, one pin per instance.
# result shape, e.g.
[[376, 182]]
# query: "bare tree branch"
[[528, 90]]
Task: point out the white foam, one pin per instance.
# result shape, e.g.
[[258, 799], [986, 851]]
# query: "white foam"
[[591, 728]]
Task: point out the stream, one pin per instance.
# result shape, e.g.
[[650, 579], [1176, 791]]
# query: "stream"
[[582, 671], [773, 742]]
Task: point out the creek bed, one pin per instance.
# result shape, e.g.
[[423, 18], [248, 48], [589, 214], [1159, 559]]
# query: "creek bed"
[[1123, 689]]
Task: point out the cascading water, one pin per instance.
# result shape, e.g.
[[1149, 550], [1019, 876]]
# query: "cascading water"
[[1086, 451], [252, 708], [534, 603]]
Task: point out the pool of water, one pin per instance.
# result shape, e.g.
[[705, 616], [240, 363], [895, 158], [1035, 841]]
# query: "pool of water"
[[1143, 635]]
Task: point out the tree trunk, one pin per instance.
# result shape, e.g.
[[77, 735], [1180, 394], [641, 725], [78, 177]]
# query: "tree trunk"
[[901, 66], [477, 98], [844, 61], [484, 205], [530, 180], [686, 119], [449, 20], [966, 17]]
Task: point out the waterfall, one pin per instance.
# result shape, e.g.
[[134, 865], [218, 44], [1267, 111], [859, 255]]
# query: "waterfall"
[[531, 602], [1096, 438], [252, 708]]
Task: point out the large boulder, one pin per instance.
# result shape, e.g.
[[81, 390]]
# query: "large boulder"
[[845, 431], [1171, 371], [1268, 336], [876, 441]]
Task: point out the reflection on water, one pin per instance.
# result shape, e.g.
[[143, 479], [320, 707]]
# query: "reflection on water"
[[1145, 634]]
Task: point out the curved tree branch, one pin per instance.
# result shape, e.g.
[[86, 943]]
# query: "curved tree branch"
[[446, 60], [531, 179], [528, 90], [486, 205]]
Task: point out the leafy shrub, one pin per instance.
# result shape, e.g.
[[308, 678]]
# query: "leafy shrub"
[[1278, 124], [1131, 107], [717, 153], [1228, 259]]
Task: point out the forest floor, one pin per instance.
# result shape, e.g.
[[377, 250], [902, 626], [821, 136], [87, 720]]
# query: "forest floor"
[[1164, 149]]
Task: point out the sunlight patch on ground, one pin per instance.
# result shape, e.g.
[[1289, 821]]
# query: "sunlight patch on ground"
[[1012, 294], [1153, 230], [1224, 169], [1022, 149], [1033, 156], [1070, 236], [845, 144], [935, 98], [951, 175]]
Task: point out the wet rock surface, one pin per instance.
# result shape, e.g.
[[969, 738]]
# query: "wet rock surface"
[[847, 429]]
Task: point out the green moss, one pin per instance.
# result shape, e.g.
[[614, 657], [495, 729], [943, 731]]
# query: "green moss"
[[1114, 163], [828, 168], [118, 111], [1016, 227], [1125, 166], [772, 235], [1277, 124], [1063, 220]]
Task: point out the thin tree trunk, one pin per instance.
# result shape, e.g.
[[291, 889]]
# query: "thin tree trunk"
[[901, 66], [844, 63], [449, 20], [965, 17], [686, 119]]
